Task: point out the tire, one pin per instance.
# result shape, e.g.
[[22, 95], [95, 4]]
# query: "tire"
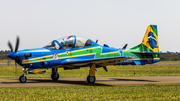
[[55, 76], [91, 79], [22, 79]]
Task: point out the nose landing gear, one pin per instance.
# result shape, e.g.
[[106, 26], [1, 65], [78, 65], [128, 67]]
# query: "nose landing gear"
[[23, 78]]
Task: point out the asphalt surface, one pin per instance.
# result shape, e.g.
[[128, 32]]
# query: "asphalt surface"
[[100, 81]]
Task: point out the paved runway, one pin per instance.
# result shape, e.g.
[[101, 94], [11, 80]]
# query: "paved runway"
[[100, 81]]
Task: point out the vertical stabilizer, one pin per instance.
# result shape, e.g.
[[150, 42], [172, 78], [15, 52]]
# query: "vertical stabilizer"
[[150, 41], [151, 38], [147, 51]]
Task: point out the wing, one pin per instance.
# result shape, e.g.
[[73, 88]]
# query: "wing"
[[99, 61], [159, 53]]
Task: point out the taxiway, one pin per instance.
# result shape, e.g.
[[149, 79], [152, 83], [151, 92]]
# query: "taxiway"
[[100, 81]]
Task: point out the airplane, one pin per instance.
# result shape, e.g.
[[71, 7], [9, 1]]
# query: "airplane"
[[75, 52]]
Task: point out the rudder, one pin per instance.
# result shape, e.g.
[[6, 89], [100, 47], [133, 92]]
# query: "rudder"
[[150, 39], [147, 51]]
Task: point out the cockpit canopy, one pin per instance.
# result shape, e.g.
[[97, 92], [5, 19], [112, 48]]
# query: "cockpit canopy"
[[69, 42]]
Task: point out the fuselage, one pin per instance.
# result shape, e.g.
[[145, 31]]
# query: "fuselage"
[[45, 57], [62, 51]]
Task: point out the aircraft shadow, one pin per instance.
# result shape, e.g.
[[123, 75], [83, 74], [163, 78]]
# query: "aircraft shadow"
[[135, 80], [83, 83]]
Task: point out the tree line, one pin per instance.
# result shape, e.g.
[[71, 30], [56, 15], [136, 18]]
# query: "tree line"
[[170, 57], [4, 53]]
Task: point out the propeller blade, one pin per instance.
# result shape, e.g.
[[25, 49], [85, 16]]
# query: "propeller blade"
[[15, 68], [10, 46], [17, 44], [8, 62], [15, 64], [125, 46], [105, 68]]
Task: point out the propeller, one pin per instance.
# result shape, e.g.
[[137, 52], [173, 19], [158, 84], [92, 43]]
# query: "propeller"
[[10, 46], [16, 49], [17, 45]]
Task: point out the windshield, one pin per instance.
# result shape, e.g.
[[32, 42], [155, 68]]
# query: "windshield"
[[53, 45], [69, 42]]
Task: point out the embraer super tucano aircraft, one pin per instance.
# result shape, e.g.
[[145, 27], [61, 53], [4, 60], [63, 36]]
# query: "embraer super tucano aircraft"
[[74, 52]]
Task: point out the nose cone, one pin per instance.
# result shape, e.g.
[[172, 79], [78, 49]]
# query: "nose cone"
[[13, 55]]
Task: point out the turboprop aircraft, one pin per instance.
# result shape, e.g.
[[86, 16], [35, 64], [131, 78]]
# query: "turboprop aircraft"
[[74, 52]]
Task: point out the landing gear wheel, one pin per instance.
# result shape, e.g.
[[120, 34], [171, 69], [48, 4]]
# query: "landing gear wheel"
[[91, 79], [22, 79], [55, 76]]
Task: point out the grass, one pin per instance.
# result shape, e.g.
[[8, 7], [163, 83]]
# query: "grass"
[[168, 62], [93, 93], [6, 61], [113, 71]]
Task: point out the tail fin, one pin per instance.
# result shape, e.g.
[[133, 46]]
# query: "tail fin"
[[148, 49], [151, 38], [150, 42]]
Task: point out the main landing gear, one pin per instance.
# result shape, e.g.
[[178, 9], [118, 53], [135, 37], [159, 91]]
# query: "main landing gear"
[[91, 77], [23, 78], [54, 75]]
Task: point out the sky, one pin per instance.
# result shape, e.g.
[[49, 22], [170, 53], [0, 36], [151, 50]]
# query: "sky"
[[112, 22]]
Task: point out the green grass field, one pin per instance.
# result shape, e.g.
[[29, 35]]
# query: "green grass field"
[[113, 71], [168, 62], [91, 93]]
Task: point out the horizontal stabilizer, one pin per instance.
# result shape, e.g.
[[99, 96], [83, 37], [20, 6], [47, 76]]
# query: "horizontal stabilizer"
[[159, 53], [99, 60]]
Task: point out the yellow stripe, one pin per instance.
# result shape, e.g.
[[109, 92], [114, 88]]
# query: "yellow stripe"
[[41, 57], [37, 71], [64, 53], [144, 58], [77, 55], [36, 61], [84, 49], [67, 56], [109, 52], [62, 57], [58, 54]]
